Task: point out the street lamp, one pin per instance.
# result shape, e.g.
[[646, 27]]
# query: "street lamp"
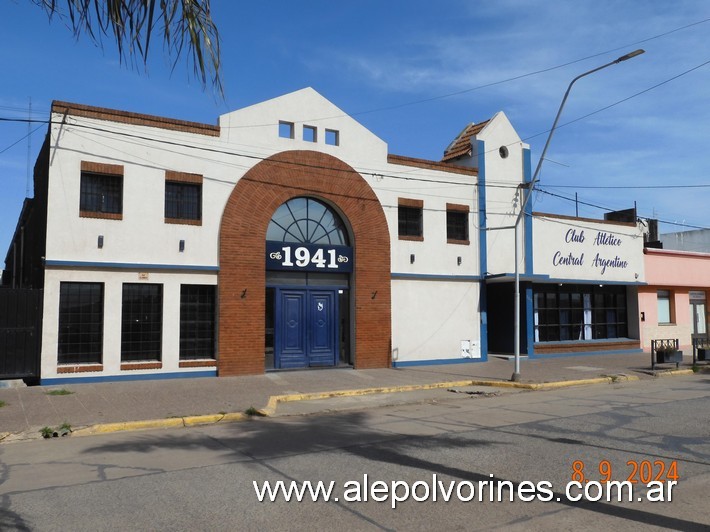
[[530, 186]]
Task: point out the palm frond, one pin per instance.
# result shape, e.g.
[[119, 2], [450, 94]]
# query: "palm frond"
[[186, 25]]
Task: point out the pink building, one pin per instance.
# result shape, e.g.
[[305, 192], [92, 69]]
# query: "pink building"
[[673, 304]]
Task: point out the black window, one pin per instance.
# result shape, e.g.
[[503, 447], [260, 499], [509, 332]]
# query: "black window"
[[81, 323], [183, 200], [457, 225], [142, 322], [197, 321], [410, 221], [575, 312], [101, 193]]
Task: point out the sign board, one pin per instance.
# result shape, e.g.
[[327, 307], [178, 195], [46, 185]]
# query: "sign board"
[[294, 256], [580, 249]]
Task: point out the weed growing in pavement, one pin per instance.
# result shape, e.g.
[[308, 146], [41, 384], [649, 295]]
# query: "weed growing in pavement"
[[62, 430], [2, 403], [61, 391], [251, 411]]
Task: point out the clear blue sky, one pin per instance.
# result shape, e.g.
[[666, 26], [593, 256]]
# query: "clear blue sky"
[[415, 72]]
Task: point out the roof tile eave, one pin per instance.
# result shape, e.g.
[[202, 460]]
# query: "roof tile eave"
[[127, 117], [432, 165], [461, 145]]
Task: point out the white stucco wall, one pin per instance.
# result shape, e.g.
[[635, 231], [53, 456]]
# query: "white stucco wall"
[[433, 317], [503, 176], [113, 292], [434, 306], [435, 299], [254, 129]]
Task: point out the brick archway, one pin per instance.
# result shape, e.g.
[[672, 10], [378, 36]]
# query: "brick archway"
[[242, 241]]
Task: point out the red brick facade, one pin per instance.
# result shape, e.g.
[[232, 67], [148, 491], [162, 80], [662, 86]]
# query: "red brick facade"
[[242, 276]]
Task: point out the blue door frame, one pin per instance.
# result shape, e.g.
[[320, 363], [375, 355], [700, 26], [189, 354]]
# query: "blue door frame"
[[306, 327]]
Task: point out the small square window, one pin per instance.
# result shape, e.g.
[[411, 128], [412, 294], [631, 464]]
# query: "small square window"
[[332, 137], [409, 215], [310, 134], [286, 130], [101, 193], [183, 201], [457, 225]]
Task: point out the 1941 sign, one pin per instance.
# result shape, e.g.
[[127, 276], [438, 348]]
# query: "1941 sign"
[[308, 257]]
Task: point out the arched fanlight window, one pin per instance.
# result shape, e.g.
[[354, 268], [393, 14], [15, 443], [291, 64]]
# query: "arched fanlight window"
[[307, 221]]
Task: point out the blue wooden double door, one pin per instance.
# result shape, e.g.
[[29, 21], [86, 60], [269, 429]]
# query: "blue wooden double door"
[[306, 328]]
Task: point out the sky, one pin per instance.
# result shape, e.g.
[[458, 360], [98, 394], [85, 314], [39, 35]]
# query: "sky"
[[415, 73]]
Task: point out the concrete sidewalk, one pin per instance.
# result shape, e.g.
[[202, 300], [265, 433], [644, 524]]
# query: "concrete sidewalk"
[[132, 405]]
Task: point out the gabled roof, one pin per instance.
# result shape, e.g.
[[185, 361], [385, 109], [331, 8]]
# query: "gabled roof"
[[461, 145]]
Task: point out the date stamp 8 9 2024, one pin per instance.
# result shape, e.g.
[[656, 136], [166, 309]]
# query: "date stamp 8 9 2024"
[[644, 471]]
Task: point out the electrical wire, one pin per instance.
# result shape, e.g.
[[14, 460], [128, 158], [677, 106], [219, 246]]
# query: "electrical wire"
[[21, 139], [600, 207]]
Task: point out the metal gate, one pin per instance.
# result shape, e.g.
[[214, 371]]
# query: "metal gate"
[[20, 333]]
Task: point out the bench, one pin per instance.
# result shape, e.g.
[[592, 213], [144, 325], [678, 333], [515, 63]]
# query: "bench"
[[701, 350], [665, 351]]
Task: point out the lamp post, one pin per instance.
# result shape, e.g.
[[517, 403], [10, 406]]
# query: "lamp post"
[[526, 198]]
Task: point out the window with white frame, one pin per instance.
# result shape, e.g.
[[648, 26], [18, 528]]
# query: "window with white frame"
[[664, 306]]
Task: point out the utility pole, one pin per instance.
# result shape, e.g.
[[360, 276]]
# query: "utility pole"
[[530, 186]]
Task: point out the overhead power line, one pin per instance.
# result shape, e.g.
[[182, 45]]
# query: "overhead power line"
[[628, 187], [608, 209]]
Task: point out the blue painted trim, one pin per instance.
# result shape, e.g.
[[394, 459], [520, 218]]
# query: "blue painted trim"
[[530, 317], [595, 281], [482, 245], [587, 353], [436, 362], [435, 277], [545, 279], [123, 378], [527, 218], [482, 223], [511, 277], [128, 265]]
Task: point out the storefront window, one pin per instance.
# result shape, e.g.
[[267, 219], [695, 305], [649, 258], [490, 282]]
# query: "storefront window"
[[579, 312]]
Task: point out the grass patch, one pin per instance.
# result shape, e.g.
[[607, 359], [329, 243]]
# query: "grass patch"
[[62, 430], [61, 391], [2, 403], [251, 411]]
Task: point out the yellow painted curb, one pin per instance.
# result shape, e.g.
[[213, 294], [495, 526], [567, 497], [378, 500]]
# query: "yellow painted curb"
[[105, 428], [211, 419], [274, 400], [173, 422]]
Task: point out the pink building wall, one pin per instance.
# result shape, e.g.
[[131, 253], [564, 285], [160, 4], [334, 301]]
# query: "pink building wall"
[[680, 272]]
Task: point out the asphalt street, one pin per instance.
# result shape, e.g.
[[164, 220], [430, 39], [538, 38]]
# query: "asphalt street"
[[203, 477]]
